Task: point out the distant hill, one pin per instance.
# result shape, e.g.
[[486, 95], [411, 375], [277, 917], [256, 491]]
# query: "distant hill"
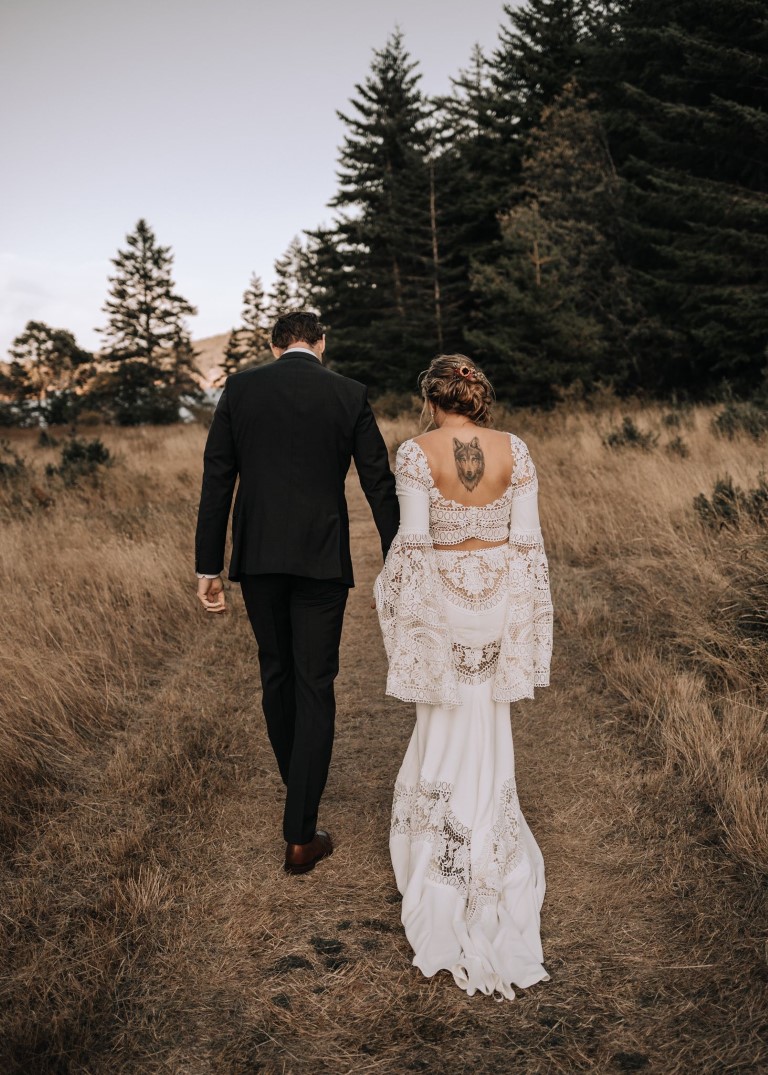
[[209, 356]]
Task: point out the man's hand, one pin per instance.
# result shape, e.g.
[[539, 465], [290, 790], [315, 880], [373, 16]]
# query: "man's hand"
[[211, 594]]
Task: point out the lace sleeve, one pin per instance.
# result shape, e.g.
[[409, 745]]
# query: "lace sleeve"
[[411, 468], [527, 641], [412, 485], [407, 593]]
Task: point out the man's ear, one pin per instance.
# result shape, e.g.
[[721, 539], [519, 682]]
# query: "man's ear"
[[276, 351]]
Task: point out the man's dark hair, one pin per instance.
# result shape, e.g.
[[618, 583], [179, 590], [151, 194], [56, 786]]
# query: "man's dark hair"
[[290, 328]]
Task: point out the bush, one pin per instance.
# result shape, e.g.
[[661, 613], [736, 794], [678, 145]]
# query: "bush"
[[80, 459], [677, 446], [629, 436], [11, 463], [738, 416], [729, 504]]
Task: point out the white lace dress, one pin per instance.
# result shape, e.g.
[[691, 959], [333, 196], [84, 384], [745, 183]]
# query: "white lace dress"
[[466, 634]]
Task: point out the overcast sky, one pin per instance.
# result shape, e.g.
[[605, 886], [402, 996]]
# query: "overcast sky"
[[213, 119]]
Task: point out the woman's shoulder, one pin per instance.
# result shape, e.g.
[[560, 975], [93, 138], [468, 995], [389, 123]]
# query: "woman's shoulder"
[[411, 464], [519, 447], [409, 447]]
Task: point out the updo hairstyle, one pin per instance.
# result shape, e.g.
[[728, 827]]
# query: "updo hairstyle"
[[455, 385]]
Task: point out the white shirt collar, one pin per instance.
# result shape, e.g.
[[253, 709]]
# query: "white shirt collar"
[[300, 350]]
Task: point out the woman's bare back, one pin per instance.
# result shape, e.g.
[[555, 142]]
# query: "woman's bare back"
[[469, 464]]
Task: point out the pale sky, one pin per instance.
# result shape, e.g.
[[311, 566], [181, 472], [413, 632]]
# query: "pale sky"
[[213, 119]]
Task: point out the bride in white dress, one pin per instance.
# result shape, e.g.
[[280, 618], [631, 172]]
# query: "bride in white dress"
[[466, 613]]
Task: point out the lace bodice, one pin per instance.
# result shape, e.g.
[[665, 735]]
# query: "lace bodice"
[[424, 664], [450, 522]]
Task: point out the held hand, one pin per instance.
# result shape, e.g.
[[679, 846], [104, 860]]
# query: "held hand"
[[211, 594]]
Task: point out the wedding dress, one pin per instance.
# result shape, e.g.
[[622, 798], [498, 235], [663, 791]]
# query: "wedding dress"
[[466, 633]]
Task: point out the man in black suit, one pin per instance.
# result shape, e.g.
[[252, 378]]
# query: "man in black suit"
[[289, 430]]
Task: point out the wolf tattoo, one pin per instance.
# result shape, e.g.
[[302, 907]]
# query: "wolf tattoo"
[[470, 462]]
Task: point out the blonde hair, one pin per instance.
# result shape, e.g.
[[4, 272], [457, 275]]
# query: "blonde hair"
[[456, 385]]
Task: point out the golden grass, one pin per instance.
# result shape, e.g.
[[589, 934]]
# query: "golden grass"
[[147, 926]]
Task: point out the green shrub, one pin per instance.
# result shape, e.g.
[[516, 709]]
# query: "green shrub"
[[11, 463], [739, 416], [80, 459], [677, 446], [729, 504], [629, 436]]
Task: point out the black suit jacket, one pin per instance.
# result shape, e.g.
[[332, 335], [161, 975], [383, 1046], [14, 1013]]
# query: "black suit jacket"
[[289, 430]]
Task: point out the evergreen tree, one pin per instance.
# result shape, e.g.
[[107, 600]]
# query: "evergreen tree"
[[383, 256], [539, 51], [235, 354], [467, 191], [551, 307], [290, 291], [147, 342], [255, 319], [684, 90], [46, 368], [495, 109], [248, 345]]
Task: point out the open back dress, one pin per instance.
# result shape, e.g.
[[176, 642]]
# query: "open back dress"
[[467, 632]]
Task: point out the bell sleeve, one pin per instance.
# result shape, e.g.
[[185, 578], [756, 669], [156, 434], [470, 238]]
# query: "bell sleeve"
[[526, 647], [407, 595]]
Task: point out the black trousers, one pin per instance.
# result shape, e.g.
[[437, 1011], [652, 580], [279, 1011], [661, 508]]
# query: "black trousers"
[[297, 623]]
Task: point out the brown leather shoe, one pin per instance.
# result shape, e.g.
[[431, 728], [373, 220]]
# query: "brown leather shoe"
[[300, 858]]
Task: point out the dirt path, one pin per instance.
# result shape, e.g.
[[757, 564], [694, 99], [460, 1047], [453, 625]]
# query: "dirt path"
[[202, 957]]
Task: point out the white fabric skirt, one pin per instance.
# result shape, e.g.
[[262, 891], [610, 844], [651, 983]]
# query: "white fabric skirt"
[[465, 861]]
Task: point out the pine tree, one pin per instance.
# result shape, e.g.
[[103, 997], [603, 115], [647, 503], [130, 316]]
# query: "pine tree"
[[255, 319], [290, 291], [467, 217], [235, 355], [551, 307], [146, 339], [495, 109], [248, 345], [383, 251], [46, 367], [684, 90], [539, 51]]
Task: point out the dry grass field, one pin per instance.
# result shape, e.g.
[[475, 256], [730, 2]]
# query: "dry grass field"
[[146, 924]]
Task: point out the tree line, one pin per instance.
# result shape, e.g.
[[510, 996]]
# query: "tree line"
[[587, 206], [146, 370]]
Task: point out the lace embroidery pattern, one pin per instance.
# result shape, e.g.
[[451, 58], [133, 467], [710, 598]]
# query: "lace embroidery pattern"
[[451, 523], [418, 585], [476, 664], [423, 812], [502, 852], [471, 581], [412, 618]]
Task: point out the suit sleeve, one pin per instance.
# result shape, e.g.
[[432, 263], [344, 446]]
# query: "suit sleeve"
[[220, 471], [376, 477]]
